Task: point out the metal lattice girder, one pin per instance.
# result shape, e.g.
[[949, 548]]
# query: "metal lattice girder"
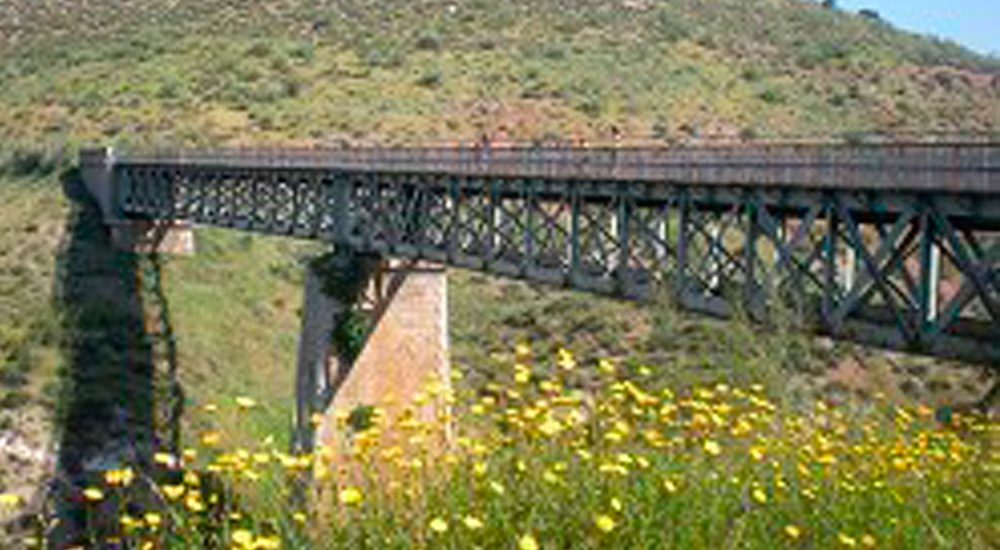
[[908, 268]]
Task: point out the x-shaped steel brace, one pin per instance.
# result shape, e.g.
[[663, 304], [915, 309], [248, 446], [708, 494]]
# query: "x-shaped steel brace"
[[874, 269]]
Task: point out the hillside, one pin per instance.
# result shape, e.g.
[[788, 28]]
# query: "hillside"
[[74, 313], [446, 71]]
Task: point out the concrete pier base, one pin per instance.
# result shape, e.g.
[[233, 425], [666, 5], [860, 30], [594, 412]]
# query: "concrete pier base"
[[405, 359], [402, 370]]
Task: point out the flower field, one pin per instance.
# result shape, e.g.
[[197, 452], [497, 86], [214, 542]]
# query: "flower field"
[[541, 460]]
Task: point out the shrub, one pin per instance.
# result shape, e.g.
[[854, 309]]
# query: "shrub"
[[429, 41], [772, 95], [818, 53], [430, 79]]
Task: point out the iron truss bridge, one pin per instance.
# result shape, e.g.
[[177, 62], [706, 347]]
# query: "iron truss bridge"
[[891, 244]]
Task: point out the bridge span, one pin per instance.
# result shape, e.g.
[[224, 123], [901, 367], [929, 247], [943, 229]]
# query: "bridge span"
[[896, 245], [901, 238]]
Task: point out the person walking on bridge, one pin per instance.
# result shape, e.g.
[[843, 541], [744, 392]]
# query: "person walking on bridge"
[[484, 148]]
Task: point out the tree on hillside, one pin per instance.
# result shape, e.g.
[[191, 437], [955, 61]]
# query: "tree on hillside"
[[870, 14]]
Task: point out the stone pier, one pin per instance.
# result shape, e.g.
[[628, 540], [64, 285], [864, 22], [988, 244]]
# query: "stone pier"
[[406, 306]]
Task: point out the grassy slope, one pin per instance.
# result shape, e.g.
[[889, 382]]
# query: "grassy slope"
[[235, 307], [440, 71], [31, 229]]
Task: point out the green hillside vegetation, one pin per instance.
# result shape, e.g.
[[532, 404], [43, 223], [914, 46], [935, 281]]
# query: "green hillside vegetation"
[[440, 71], [87, 332]]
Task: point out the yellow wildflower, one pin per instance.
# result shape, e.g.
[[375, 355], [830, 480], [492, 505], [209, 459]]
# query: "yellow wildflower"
[[527, 542], [93, 494], [827, 459], [250, 475], [608, 468], [153, 519], [550, 427], [522, 374], [565, 360], [759, 495], [210, 438], [194, 503], [616, 504], [846, 540], [522, 349], [129, 522], [270, 542], [670, 486], [242, 538], [121, 477], [472, 523], [9, 500], [613, 436], [605, 366], [605, 523], [350, 496], [439, 525], [244, 402], [712, 448], [868, 541], [793, 532]]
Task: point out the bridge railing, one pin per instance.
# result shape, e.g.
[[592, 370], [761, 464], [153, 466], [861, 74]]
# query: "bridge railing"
[[960, 167]]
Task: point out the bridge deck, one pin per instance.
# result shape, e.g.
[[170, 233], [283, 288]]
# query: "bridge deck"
[[947, 167]]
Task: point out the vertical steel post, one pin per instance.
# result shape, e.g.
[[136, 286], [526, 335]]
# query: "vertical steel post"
[[781, 231], [715, 249], [930, 272], [849, 268], [493, 223], [340, 189], [751, 289], [454, 220], [683, 239], [830, 261], [613, 259], [574, 236], [621, 226], [529, 229], [662, 235]]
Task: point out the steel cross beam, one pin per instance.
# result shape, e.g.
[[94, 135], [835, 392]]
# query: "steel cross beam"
[[912, 266]]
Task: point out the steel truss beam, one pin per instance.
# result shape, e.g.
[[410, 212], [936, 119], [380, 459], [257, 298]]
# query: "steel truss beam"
[[912, 269]]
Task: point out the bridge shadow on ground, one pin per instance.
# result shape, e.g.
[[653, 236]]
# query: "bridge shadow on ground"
[[113, 401]]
